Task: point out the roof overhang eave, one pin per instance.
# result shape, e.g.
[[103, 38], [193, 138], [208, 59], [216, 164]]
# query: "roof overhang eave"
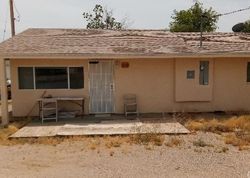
[[123, 56]]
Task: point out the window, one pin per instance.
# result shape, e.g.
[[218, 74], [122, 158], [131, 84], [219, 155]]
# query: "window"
[[204, 72], [76, 77], [248, 72], [25, 78], [51, 77], [190, 74]]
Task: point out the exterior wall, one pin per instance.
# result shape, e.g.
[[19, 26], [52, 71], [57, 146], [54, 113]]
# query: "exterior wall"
[[151, 80], [231, 90], [190, 89], [160, 85], [24, 100]]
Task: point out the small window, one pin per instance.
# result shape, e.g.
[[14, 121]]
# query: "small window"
[[25, 78], [76, 77], [51, 77], [248, 72], [190, 74], [204, 72]]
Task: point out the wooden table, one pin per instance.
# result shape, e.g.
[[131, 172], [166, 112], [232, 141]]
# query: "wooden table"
[[74, 100]]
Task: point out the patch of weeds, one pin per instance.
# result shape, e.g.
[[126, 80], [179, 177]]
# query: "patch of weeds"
[[13, 127], [198, 150], [158, 141], [173, 142], [221, 150], [149, 138], [111, 153], [244, 147], [149, 147], [224, 149], [237, 140], [220, 125], [113, 141], [94, 143], [201, 143], [44, 140], [231, 139]]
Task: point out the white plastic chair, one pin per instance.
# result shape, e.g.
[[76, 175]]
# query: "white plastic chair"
[[49, 109], [130, 104]]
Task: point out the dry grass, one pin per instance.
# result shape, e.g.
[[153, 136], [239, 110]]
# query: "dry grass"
[[221, 150], [220, 125], [11, 129], [115, 141], [237, 129], [238, 140], [173, 142], [201, 143], [146, 139], [94, 143]]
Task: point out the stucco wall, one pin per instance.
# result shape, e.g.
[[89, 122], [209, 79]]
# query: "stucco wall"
[[160, 85], [231, 90], [24, 100], [151, 80], [190, 89]]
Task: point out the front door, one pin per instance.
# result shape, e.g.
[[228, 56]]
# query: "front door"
[[101, 75]]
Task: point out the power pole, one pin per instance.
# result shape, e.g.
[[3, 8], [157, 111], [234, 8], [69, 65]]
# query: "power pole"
[[201, 31], [12, 19]]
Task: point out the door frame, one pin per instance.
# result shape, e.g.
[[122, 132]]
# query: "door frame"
[[113, 73]]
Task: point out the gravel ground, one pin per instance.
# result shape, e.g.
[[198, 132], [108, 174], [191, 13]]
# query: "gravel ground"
[[76, 159]]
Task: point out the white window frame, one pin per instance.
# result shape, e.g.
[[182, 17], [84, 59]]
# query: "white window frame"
[[34, 77]]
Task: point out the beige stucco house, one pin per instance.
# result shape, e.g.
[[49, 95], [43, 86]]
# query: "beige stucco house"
[[168, 72]]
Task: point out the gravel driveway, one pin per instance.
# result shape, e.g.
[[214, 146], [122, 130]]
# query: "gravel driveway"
[[76, 159]]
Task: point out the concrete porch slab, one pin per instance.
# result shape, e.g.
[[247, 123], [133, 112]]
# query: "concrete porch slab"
[[113, 127]]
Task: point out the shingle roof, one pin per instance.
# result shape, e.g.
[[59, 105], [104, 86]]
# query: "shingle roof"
[[97, 43]]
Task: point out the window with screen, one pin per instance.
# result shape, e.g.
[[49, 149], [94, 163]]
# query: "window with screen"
[[25, 78], [76, 77], [51, 77], [204, 72]]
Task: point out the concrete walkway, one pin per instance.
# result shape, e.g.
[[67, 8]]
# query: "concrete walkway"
[[104, 127]]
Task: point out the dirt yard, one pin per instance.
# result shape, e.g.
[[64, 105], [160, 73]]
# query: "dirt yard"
[[218, 146], [195, 155]]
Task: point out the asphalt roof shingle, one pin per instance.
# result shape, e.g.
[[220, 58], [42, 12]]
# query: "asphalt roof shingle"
[[82, 42]]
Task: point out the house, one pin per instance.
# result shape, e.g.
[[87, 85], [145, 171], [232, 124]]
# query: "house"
[[169, 72]]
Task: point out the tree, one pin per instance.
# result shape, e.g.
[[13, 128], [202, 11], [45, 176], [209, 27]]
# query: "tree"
[[102, 19], [190, 20], [242, 27]]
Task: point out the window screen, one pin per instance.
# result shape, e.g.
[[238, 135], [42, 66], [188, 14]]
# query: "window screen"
[[76, 77], [51, 77], [25, 78], [204, 72], [248, 72]]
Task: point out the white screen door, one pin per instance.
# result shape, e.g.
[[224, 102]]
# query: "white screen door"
[[101, 86]]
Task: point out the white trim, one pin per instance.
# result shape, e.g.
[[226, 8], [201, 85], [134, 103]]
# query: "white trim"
[[34, 76], [68, 75]]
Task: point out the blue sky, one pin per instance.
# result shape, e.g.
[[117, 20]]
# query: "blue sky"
[[148, 14]]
